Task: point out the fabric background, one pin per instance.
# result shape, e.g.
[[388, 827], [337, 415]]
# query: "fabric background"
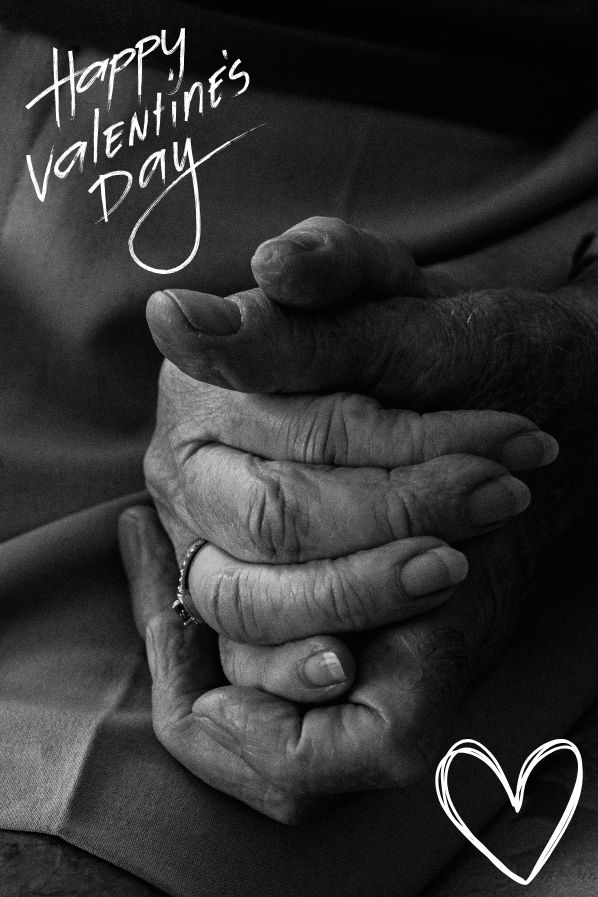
[[77, 755]]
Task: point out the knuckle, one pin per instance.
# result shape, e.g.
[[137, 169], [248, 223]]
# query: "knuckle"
[[309, 436], [321, 444], [344, 604], [405, 505], [275, 519], [227, 605], [337, 430], [352, 430], [414, 436]]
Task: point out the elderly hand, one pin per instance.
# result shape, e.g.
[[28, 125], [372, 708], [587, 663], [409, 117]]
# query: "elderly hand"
[[359, 316], [390, 721], [256, 746], [252, 741], [347, 531], [320, 509]]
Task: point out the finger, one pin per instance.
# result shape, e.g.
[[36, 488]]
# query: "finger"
[[152, 572], [248, 343], [325, 261], [268, 604], [402, 352], [387, 732], [276, 757], [278, 512], [458, 350], [183, 661], [310, 671], [345, 429], [205, 757]]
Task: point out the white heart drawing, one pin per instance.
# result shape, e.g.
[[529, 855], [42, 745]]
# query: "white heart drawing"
[[475, 749]]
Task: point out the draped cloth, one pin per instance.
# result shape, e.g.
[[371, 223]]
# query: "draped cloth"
[[496, 205]]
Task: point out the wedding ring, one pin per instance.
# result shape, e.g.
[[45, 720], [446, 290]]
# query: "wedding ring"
[[183, 595]]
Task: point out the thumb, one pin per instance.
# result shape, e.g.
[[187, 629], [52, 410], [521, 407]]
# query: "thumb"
[[314, 335], [248, 343], [325, 262], [184, 665]]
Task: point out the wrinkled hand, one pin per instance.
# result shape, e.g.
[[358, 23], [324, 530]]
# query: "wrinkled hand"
[[352, 312], [336, 537], [392, 717], [277, 756], [256, 746]]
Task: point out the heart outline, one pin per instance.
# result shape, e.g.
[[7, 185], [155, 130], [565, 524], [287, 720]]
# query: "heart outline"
[[474, 749]]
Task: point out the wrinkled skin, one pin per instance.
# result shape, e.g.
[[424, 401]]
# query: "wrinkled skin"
[[394, 710]]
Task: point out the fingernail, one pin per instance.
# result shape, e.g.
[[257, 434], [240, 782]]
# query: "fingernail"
[[533, 448], [432, 571], [496, 500], [129, 542], [301, 240], [289, 244], [215, 315], [324, 669], [270, 257]]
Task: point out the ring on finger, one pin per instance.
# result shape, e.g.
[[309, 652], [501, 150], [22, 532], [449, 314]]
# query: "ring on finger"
[[183, 597]]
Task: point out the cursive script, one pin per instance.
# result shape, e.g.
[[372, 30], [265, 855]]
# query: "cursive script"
[[108, 140]]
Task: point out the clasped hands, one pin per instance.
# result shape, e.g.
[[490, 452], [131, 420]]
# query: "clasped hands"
[[348, 626]]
